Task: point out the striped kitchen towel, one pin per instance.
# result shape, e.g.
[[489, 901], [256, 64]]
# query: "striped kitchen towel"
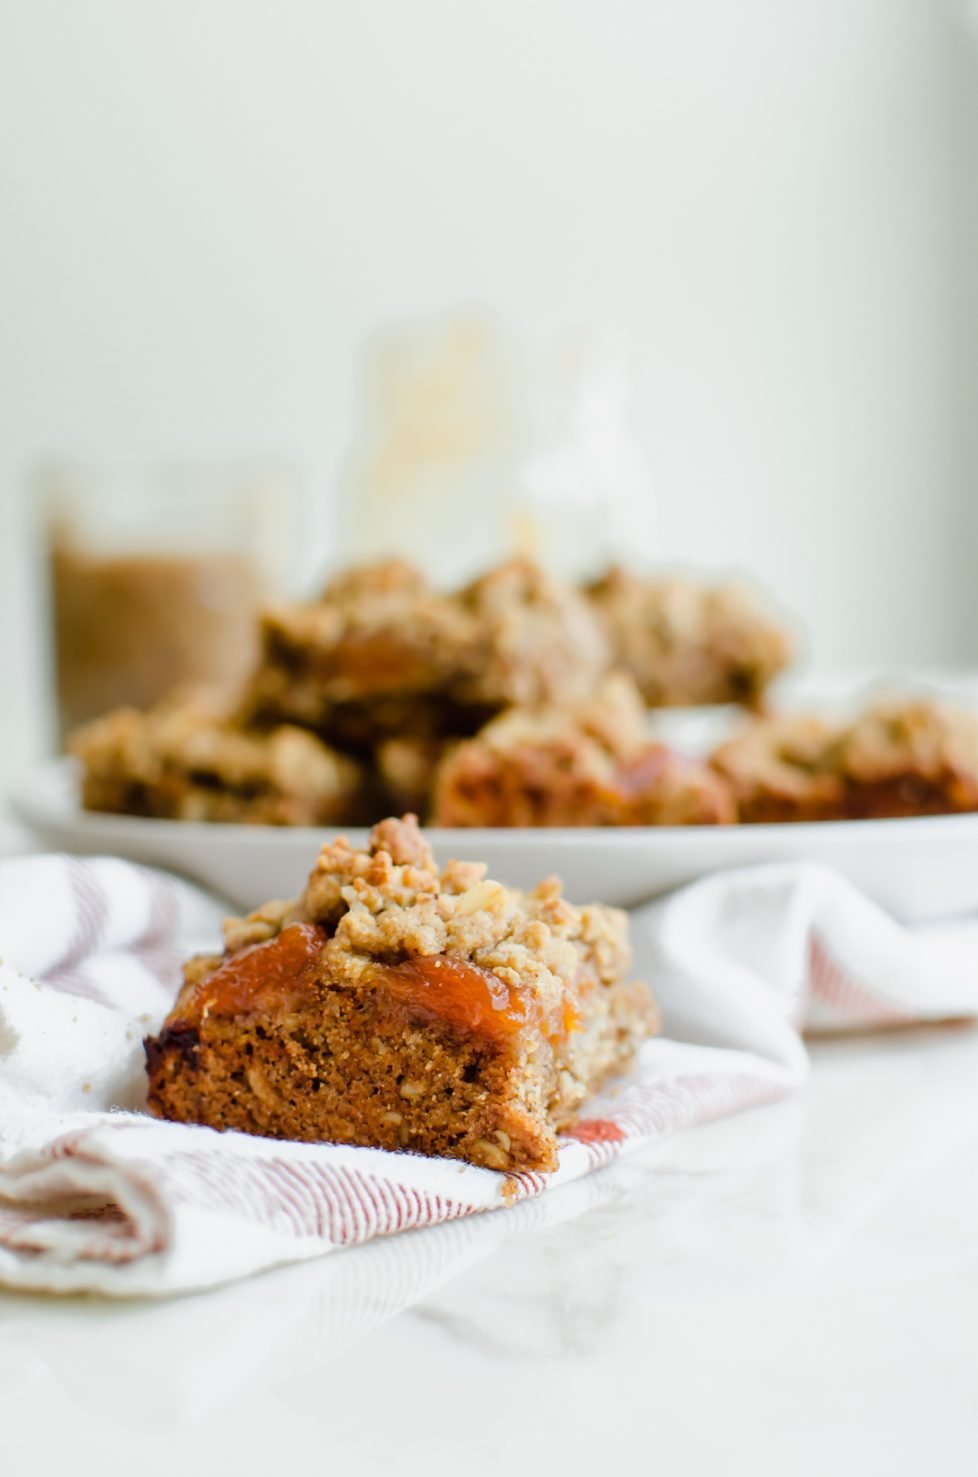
[[97, 1196]]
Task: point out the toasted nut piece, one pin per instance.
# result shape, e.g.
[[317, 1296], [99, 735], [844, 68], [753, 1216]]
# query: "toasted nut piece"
[[411, 1090], [393, 1118], [491, 1154], [260, 1086], [504, 1138], [478, 898]]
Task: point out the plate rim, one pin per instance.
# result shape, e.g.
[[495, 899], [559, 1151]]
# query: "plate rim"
[[33, 801]]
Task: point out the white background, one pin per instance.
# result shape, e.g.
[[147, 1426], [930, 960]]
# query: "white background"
[[208, 203]]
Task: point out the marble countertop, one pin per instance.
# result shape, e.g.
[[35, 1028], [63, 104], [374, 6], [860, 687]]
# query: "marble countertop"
[[792, 1291]]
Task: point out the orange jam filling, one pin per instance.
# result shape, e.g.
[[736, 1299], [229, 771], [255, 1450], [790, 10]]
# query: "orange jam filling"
[[377, 662], [572, 1019], [464, 995], [263, 976], [433, 987]]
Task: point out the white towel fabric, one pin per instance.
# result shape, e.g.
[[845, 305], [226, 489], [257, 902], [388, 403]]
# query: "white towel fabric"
[[95, 1195]]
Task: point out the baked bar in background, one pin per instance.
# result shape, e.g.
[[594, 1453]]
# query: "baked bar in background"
[[899, 758], [374, 657], [688, 644], [401, 1006], [781, 769], [535, 639], [186, 761], [587, 765], [362, 700]]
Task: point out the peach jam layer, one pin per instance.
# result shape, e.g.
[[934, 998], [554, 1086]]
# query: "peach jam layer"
[[263, 977], [429, 987], [463, 995]]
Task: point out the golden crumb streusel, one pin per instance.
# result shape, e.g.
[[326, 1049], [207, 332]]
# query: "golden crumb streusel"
[[687, 643]]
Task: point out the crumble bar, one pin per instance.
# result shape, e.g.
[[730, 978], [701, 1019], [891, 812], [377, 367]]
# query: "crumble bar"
[[185, 761], [588, 766], [398, 1006], [688, 644], [535, 640], [381, 655], [373, 657], [897, 759]]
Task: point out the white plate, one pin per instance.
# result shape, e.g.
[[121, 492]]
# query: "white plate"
[[919, 869]]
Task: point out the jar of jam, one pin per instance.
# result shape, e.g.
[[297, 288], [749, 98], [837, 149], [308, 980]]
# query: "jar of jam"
[[156, 576]]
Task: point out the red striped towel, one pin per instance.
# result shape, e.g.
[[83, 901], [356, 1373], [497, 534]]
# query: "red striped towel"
[[95, 1195]]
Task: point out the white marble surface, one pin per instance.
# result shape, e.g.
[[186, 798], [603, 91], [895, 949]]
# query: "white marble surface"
[[794, 1291]]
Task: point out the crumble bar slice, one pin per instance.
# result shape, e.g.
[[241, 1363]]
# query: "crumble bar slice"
[[591, 765], [780, 769], [383, 656], [910, 758], [185, 761], [896, 759], [535, 640], [373, 657], [398, 1006], [689, 644]]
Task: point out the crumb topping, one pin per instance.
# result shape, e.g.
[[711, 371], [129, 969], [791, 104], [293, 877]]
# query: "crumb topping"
[[926, 737], [606, 726], [689, 643], [391, 902], [536, 639]]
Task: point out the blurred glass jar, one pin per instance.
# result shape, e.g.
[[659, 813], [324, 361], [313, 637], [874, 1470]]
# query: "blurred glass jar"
[[472, 445], [156, 575]]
